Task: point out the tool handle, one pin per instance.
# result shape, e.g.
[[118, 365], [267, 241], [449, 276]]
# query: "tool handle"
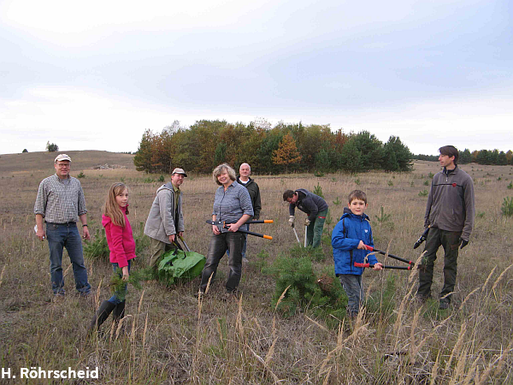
[[261, 221], [356, 264], [255, 234], [370, 248], [217, 223]]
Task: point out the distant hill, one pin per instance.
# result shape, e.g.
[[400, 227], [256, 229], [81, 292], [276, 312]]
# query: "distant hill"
[[81, 160]]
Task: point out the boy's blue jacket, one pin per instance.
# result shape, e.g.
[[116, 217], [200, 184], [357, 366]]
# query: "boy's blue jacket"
[[349, 231]]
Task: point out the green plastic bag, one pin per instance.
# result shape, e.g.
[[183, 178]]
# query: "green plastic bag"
[[180, 266]]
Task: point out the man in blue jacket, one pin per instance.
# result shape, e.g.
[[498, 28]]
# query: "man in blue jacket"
[[349, 238]]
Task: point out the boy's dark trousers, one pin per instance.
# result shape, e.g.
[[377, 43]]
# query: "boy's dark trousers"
[[450, 241], [353, 287]]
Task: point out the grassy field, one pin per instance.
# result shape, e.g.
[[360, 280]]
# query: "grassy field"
[[168, 337]]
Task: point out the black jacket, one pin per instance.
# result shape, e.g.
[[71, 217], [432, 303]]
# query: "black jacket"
[[309, 203], [254, 193]]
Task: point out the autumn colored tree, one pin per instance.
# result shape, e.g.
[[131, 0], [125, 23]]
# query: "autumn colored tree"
[[287, 153], [269, 150]]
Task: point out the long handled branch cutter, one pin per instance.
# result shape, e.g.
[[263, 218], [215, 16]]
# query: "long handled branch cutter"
[[224, 225], [370, 248], [295, 233], [185, 244], [356, 264]]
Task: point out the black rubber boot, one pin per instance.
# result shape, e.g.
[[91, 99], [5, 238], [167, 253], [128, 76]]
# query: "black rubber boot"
[[119, 311], [101, 315]]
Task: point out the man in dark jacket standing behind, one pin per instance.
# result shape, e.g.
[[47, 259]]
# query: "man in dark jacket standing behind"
[[449, 216], [314, 206], [254, 192], [165, 220]]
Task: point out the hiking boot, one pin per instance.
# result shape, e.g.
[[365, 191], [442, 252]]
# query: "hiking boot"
[[421, 299], [231, 296]]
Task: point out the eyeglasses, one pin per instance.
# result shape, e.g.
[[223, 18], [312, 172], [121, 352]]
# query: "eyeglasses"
[[63, 165]]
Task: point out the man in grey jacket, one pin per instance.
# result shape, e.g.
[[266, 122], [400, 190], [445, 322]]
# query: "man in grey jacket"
[[165, 220], [449, 216]]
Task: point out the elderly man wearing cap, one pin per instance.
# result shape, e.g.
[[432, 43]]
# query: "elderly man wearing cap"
[[165, 220], [60, 202]]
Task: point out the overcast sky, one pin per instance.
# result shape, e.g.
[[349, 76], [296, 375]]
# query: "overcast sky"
[[95, 75]]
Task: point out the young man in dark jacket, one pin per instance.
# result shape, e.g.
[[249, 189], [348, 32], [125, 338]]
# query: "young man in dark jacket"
[[314, 206], [254, 192], [449, 216]]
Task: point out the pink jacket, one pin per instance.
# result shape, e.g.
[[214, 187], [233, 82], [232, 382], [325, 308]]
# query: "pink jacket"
[[120, 240]]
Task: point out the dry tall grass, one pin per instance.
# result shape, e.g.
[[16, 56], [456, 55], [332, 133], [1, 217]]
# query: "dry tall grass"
[[170, 336]]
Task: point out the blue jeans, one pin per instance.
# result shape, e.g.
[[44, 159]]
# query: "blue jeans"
[[62, 236], [115, 299], [219, 244]]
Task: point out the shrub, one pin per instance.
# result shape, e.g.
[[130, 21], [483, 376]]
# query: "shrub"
[[117, 284], [161, 178], [507, 207], [315, 254], [382, 217], [303, 290], [423, 193], [81, 175], [510, 186], [318, 190], [97, 249]]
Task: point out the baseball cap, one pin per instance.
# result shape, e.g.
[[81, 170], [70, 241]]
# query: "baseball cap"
[[62, 157], [179, 171]]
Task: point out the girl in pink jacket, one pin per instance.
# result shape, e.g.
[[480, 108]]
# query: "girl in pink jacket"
[[122, 250]]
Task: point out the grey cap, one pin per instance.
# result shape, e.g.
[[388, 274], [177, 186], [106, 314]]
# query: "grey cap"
[[62, 157], [179, 170]]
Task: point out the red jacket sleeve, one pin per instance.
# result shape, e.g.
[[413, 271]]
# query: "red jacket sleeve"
[[116, 246]]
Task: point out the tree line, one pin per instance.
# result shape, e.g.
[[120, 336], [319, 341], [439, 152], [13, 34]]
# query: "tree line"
[[269, 150], [492, 157]]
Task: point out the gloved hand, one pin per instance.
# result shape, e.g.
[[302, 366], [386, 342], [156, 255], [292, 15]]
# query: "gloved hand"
[[291, 221], [307, 222], [463, 243]]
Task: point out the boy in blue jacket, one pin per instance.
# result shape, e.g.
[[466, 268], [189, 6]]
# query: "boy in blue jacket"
[[348, 240]]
